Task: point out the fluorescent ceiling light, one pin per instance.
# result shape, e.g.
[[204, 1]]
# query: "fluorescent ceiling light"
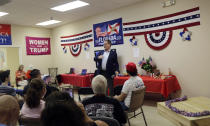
[[70, 6], [50, 22], [3, 13]]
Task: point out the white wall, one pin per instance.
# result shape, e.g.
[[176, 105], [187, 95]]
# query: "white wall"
[[189, 61], [18, 40]]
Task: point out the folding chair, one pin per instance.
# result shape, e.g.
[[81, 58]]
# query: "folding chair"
[[53, 73], [136, 103]]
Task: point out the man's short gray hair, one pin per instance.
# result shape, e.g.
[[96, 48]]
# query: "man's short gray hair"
[[99, 84]]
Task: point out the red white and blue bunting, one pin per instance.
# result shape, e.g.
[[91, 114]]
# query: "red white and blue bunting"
[[158, 40], [75, 41], [77, 38], [158, 31], [75, 49]]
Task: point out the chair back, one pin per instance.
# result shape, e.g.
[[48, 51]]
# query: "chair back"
[[117, 90], [109, 121], [137, 99], [53, 73], [84, 91], [26, 121]]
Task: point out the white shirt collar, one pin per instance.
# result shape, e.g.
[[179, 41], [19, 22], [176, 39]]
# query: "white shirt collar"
[[107, 50]]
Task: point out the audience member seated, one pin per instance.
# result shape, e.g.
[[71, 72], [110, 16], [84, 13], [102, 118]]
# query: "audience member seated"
[[49, 88], [132, 84], [30, 68], [20, 74], [35, 73], [9, 110], [5, 80], [102, 106], [62, 110], [34, 104]]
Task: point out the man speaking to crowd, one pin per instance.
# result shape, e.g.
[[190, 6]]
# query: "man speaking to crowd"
[[107, 64]]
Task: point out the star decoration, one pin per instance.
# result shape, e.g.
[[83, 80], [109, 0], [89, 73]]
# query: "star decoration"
[[186, 34], [133, 41], [64, 49], [87, 47]]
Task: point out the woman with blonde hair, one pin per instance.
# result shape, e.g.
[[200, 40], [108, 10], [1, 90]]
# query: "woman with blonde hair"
[[20, 74]]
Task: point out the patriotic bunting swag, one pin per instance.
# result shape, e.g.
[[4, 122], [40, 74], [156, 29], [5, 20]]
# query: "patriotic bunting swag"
[[75, 41], [158, 40], [158, 31], [75, 49]]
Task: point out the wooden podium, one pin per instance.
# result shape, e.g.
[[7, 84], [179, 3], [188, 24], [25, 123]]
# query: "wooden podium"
[[195, 104]]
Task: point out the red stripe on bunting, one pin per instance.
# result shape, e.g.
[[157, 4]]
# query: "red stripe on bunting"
[[77, 34], [165, 29], [162, 17], [77, 42]]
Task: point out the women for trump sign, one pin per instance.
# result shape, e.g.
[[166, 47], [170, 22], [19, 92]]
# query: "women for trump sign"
[[110, 30], [38, 46]]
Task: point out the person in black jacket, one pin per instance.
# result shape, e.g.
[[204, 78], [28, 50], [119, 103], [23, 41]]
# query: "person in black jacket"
[[107, 64], [102, 106]]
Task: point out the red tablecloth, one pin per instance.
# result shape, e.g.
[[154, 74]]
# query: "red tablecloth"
[[164, 87], [77, 80]]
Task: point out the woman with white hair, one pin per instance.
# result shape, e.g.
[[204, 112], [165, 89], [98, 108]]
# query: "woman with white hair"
[[102, 106]]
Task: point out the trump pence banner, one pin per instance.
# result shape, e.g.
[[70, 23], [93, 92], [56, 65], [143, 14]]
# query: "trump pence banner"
[[110, 30], [5, 34], [38, 46]]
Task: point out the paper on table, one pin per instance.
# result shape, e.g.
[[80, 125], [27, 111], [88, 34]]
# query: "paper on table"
[[87, 55], [135, 52]]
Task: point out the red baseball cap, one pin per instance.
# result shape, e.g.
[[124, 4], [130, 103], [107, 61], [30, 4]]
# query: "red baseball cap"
[[131, 67]]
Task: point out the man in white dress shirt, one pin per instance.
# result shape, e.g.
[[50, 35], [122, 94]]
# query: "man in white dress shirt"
[[108, 65]]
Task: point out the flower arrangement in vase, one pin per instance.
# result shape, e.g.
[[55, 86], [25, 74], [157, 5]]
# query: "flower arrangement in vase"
[[148, 65]]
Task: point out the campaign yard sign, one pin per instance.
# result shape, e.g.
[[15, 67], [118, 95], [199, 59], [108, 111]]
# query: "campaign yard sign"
[[110, 30], [38, 46], [5, 34]]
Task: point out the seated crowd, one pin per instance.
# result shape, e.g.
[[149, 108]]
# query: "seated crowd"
[[55, 108]]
